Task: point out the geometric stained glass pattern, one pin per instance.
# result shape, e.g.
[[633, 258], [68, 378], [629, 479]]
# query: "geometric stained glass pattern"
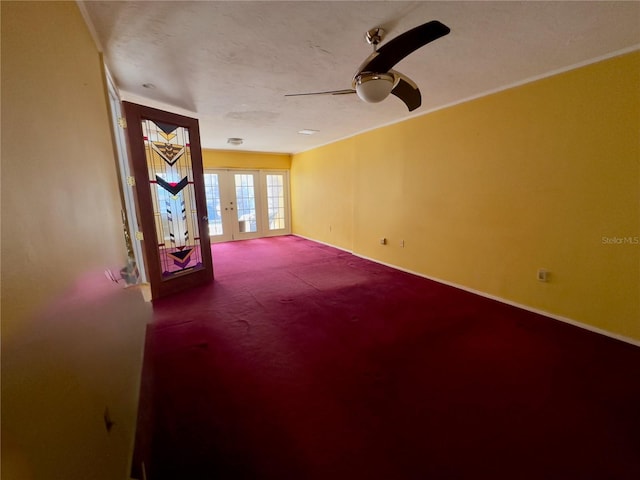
[[170, 171]]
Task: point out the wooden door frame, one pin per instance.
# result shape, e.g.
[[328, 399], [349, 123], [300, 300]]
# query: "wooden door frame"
[[125, 168], [134, 114]]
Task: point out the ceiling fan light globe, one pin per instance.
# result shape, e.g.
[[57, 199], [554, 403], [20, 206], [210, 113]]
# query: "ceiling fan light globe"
[[374, 87]]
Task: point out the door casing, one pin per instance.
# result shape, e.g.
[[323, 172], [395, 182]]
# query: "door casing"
[[229, 204]]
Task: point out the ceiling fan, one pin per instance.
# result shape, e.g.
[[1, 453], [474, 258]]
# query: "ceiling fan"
[[375, 79]]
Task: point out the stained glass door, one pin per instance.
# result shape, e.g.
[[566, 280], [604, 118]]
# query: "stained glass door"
[[167, 162]]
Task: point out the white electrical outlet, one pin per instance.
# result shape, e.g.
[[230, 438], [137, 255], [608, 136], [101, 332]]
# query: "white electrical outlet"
[[402, 243]]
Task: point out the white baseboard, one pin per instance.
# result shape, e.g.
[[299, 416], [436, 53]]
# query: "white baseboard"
[[553, 316], [329, 245]]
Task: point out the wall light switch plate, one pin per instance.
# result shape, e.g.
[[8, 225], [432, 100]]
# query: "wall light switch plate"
[[542, 275]]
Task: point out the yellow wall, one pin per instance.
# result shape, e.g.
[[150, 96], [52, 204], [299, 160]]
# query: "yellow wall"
[[246, 160], [71, 340], [486, 192], [322, 198], [60, 200]]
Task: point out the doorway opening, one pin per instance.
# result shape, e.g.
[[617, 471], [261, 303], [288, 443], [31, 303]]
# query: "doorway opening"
[[243, 204]]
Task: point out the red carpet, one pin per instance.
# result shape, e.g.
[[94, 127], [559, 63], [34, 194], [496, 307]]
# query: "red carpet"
[[305, 362]]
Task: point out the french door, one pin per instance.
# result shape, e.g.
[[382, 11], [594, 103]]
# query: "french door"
[[167, 164], [244, 204]]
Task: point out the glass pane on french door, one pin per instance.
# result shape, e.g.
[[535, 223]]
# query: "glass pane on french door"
[[246, 203], [276, 201], [214, 210]]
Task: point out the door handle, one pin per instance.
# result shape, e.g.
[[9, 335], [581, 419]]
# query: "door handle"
[[205, 218]]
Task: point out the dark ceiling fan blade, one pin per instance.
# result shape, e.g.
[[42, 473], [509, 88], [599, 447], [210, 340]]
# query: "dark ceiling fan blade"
[[330, 92], [396, 49], [407, 91]]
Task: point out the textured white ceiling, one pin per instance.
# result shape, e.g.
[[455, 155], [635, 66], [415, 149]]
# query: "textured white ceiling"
[[229, 64]]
